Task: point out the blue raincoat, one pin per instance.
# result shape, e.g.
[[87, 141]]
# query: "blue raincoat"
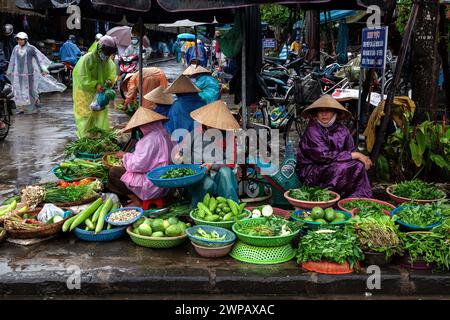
[[202, 55], [163, 109], [69, 52], [179, 114], [210, 87]]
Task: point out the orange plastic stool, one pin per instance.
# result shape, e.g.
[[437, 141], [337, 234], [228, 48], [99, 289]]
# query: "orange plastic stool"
[[158, 203]]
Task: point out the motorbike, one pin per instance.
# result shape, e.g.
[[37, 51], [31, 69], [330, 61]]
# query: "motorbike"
[[7, 105], [127, 65]]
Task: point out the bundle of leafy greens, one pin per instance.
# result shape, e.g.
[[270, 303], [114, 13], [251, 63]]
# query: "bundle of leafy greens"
[[433, 247], [334, 245], [367, 208], [420, 215], [418, 190], [377, 234], [55, 194], [97, 142], [269, 227], [315, 194]]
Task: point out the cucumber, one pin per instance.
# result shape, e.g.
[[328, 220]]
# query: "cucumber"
[[101, 219], [89, 223], [86, 213], [97, 213], [68, 222]]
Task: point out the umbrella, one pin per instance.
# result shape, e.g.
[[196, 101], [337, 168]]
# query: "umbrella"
[[123, 36], [183, 23], [186, 36]]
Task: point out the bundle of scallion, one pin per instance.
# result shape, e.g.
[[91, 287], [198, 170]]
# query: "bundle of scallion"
[[78, 169]]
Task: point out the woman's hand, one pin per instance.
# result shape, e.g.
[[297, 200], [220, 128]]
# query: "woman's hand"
[[364, 159], [99, 88], [208, 166]]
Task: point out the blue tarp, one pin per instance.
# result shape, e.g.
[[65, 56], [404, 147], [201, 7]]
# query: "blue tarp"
[[338, 15]]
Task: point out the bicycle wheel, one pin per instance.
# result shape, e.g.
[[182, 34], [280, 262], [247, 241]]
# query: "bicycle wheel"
[[5, 118], [260, 115], [295, 129]]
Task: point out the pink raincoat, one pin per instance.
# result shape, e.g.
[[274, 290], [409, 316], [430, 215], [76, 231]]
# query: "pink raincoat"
[[152, 151]]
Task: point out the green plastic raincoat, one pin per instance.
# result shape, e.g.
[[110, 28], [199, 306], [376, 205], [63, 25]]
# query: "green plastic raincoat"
[[88, 72]]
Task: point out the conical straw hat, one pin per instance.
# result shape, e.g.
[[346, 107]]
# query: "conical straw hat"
[[142, 116], [158, 96], [124, 84], [327, 102], [216, 115], [193, 69], [182, 85]]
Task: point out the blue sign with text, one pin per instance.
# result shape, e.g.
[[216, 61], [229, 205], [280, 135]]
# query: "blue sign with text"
[[373, 48], [269, 43]]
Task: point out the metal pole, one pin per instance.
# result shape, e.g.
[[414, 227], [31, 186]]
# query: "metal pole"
[[196, 46], [141, 49], [383, 80], [358, 112], [244, 79]]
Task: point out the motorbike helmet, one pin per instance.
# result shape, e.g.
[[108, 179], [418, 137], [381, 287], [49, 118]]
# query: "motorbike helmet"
[[8, 29], [22, 35], [72, 38], [98, 36], [107, 45]]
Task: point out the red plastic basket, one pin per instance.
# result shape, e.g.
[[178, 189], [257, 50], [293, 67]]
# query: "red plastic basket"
[[327, 267]]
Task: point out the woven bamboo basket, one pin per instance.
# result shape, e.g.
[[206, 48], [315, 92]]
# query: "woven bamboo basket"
[[46, 230]]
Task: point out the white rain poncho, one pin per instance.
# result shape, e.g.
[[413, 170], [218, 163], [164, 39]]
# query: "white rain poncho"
[[25, 71]]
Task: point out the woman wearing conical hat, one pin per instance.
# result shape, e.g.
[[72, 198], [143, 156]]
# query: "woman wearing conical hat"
[[220, 179], [162, 101], [202, 78], [327, 156], [187, 101], [152, 150]]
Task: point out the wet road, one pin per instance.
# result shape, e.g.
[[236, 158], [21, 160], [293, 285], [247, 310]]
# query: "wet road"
[[36, 142]]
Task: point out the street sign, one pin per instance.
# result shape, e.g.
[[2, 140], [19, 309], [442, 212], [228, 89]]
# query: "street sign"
[[373, 48], [269, 43]]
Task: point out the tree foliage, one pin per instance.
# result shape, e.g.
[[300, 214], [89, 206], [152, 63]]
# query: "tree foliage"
[[275, 15]]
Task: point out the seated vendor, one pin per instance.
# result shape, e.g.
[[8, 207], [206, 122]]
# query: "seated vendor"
[[152, 150], [220, 179], [153, 78], [208, 84], [162, 101], [327, 155], [187, 101]]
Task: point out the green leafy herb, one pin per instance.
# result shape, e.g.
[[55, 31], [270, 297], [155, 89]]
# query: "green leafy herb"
[[269, 227], [418, 190], [97, 142], [367, 208], [335, 245], [431, 246], [178, 173], [306, 193], [421, 216], [55, 194]]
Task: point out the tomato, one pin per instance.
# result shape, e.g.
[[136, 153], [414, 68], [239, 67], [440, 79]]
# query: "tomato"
[[64, 184], [75, 183]]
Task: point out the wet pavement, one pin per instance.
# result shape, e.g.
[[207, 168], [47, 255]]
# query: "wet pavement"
[[36, 142]]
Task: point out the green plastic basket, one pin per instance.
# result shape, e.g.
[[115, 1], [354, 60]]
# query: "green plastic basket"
[[263, 241], [222, 224], [262, 255], [156, 242]]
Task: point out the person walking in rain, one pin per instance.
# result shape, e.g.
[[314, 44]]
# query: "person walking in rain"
[[69, 51], [28, 72], [92, 72]]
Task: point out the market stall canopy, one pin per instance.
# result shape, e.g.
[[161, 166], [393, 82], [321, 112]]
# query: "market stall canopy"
[[337, 15], [183, 23]]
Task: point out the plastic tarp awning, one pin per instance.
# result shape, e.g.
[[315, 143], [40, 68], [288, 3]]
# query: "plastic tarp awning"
[[337, 15]]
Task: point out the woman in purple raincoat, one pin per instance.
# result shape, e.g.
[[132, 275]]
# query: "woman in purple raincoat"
[[327, 155], [152, 150]]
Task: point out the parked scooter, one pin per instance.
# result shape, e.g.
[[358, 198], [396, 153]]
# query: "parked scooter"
[[7, 105], [127, 65]]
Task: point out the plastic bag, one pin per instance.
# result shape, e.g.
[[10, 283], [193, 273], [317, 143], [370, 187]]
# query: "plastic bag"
[[95, 106], [49, 211]]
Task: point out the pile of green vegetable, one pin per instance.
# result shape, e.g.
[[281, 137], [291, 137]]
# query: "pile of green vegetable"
[[366, 208], [269, 227], [213, 235], [93, 217], [171, 227], [113, 160], [97, 142], [56, 194], [78, 169], [219, 209], [418, 190], [433, 247], [420, 215], [320, 215], [378, 234], [333, 245], [315, 194], [177, 173]]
